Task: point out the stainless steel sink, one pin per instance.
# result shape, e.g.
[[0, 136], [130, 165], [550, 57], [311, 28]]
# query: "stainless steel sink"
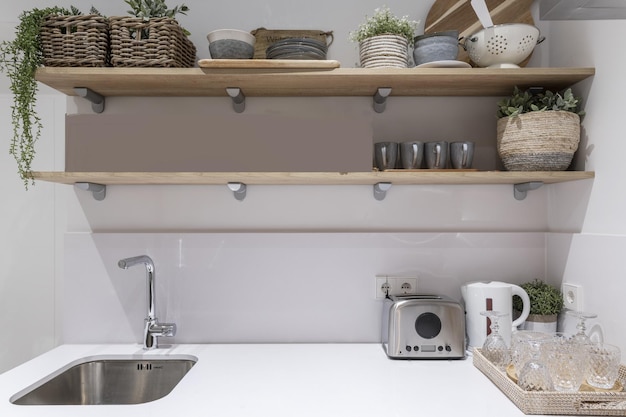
[[107, 381]]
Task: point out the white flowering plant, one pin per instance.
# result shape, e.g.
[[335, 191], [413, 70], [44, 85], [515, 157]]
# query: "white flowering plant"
[[383, 22]]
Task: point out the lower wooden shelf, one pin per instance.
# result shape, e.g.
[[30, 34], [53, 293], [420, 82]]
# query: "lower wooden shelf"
[[396, 177]]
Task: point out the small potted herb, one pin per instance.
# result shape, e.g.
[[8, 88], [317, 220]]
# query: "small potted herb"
[[546, 302], [538, 131], [384, 39]]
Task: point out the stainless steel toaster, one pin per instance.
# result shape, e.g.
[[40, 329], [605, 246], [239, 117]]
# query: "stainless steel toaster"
[[423, 327]]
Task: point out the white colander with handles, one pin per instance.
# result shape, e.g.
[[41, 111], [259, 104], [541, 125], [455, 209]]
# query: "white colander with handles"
[[502, 46]]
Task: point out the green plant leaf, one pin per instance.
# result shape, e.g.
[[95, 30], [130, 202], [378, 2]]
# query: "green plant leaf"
[[384, 22], [147, 9], [525, 101], [19, 59], [544, 298]]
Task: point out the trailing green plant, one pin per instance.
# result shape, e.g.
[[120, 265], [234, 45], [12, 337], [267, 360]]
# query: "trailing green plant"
[[545, 299], [528, 101], [19, 59], [146, 9], [383, 22]]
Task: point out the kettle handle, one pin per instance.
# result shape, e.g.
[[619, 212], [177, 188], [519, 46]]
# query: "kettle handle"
[[519, 291]]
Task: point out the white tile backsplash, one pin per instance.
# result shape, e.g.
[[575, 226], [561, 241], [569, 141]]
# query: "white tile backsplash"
[[272, 287]]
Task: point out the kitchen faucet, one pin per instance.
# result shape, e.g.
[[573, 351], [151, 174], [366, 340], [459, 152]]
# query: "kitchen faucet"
[[152, 329]]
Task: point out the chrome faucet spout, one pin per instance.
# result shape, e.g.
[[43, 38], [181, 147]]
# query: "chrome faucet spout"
[[152, 329]]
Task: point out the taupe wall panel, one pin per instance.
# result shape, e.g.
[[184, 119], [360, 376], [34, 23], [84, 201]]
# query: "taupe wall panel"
[[237, 142]]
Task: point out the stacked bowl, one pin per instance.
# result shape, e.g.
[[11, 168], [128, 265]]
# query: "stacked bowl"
[[297, 48], [438, 46]]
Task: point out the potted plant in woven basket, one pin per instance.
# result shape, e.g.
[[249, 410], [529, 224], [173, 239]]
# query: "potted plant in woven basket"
[[384, 39], [538, 131], [151, 37], [546, 302], [51, 36]]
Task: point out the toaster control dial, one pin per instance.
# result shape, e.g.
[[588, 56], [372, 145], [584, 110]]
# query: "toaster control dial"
[[428, 325]]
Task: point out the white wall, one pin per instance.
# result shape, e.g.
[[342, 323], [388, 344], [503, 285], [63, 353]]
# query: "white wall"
[[593, 257], [306, 208], [27, 244]]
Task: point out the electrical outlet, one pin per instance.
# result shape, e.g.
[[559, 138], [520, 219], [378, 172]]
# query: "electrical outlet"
[[396, 285], [572, 297]]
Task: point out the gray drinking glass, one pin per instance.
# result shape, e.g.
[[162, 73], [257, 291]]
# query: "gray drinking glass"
[[436, 154], [411, 154], [385, 155], [461, 154]]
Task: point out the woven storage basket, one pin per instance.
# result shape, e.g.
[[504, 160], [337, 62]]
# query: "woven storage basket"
[[553, 402], [538, 141], [266, 37], [75, 41], [157, 42]]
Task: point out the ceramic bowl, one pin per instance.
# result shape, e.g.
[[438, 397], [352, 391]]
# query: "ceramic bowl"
[[231, 44], [438, 46]]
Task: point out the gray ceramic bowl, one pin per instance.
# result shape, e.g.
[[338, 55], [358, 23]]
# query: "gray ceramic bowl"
[[231, 49], [439, 46], [231, 44]]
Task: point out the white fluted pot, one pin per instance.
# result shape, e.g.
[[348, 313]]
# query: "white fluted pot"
[[384, 51]]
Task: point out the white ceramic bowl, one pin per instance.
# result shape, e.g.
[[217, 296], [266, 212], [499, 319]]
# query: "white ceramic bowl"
[[231, 44], [502, 46], [236, 34]]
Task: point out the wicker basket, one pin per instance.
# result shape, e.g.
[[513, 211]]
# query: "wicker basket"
[[75, 41], [157, 42], [553, 402], [538, 141]]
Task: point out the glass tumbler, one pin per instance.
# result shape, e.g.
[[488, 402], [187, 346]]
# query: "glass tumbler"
[[604, 360], [564, 363], [520, 348], [534, 375]]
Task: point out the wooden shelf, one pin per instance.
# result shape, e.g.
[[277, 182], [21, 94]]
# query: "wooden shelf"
[[179, 82], [313, 178], [305, 82]]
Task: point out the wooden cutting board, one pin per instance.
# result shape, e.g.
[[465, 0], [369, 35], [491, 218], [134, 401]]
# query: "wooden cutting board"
[[459, 15]]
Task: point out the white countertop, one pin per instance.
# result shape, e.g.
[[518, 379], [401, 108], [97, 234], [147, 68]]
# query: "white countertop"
[[321, 380]]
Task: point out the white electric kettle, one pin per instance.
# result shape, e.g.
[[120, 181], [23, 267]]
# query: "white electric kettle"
[[493, 295]]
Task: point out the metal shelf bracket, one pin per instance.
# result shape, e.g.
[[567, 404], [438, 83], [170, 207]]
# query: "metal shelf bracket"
[[97, 100], [520, 190], [99, 191], [239, 190], [239, 99], [380, 99], [380, 190]]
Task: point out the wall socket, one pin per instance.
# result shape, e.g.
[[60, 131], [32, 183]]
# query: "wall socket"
[[396, 285], [572, 297]]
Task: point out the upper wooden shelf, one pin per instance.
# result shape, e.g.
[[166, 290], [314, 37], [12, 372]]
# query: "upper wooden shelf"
[[180, 82], [397, 177]]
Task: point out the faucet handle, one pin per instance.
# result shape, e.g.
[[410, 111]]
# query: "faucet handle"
[[163, 329]]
